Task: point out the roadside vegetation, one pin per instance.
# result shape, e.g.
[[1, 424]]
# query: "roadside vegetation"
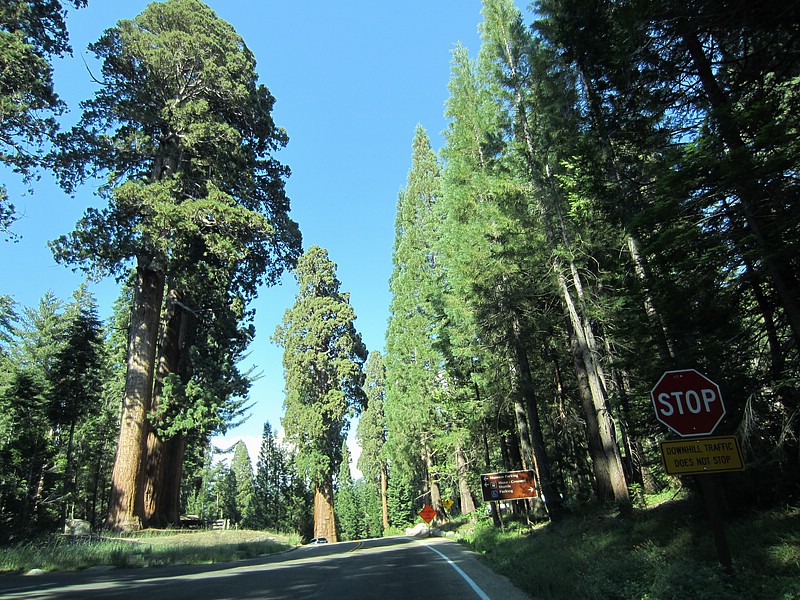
[[662, 552], [151, 548]]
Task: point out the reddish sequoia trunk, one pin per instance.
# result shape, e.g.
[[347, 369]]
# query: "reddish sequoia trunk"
[[160, 497], [126, 505], [324, 516], [384, 495]]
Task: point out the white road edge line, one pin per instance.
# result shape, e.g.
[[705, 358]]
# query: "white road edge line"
[[481, 594]]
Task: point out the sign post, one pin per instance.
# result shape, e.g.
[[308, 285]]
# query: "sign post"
[[691, 405]]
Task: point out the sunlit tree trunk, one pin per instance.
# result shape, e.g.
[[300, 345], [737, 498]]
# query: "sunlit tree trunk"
[[324, 515], [157, 458], [126, 505], [384, 495]]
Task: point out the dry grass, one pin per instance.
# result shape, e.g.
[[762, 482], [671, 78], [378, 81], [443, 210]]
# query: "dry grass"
[[143, 549]]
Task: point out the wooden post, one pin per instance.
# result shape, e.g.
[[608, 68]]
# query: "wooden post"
[[713, 500]]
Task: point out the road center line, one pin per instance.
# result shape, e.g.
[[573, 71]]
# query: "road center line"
[[481, 594], [358, 546]]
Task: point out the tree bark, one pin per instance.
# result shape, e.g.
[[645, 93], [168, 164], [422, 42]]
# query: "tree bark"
[[585, 347], [581, 325], [157, 458], [384, 495], [664, 342], [488, 467], [465, 495], [126, 505], [433, 483], [534, 450], [324, 515], [602, 483]]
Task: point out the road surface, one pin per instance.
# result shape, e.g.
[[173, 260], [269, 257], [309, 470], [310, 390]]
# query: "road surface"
[[396, 568]]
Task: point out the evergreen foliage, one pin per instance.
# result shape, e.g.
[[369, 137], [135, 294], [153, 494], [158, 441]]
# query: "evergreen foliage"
[[281, 499], [242, 470], [413, 363], [322, 361], [271, 485], [32, 33], [371, 437], [54, 372], [604, 213], [183, 131], [347, 506], [616, 196]]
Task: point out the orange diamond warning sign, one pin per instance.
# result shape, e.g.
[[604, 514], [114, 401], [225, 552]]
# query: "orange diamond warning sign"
[[427, 513]]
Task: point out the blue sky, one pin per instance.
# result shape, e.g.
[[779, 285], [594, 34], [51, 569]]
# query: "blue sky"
[[352, 80]]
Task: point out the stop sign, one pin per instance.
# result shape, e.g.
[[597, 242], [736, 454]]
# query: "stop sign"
[[688, 402]]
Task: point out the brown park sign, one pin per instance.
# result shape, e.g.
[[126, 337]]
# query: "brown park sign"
[[512, 485], [702, 455]]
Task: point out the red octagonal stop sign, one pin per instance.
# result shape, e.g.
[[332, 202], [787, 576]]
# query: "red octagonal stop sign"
[[688, 402]]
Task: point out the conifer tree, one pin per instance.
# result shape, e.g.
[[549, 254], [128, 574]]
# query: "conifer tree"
[[412, 362], [271, 485], [323, 359], [531, 89], [40, 337], [687, 152], [348, 510], [32, 33], [491, 246], [195, 199], [77, 383], [371, 432], [242, 469]]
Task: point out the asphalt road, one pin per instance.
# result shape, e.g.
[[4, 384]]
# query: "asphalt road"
[[385, 569]]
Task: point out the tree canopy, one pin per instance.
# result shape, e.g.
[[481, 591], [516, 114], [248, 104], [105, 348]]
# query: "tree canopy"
[[32, 33]]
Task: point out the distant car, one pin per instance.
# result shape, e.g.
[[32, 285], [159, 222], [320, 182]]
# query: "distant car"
[[318, 540]]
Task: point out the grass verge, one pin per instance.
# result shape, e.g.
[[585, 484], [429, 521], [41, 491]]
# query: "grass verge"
[[143, 549], [658, 553]]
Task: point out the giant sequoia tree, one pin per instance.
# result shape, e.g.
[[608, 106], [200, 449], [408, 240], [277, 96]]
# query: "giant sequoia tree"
[[195, 198], [323, 362]]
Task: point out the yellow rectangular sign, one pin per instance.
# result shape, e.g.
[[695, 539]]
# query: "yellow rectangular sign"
[[702, 455]]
